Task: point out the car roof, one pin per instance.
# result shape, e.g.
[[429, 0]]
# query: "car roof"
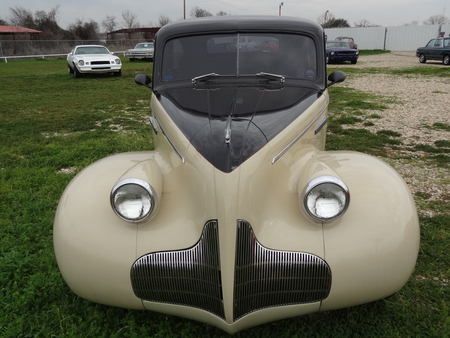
[[238, 24]]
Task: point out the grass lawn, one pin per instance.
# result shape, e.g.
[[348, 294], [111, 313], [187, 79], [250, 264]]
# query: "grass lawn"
[[53, 125]]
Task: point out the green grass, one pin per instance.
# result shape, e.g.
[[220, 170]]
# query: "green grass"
[[51, 121]]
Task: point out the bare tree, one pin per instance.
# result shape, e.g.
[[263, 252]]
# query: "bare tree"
[[163, 20], [197, 12], [328, 20], [109, 23], [222, 13], [129, 19], [3, 22], [412, 23], [436, 20], [362, 23], [22, 17]]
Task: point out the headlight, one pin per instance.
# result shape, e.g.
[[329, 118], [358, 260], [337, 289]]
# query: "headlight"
[[326, 198], [80, 62], [332, 53], [117, 61], [133, 199]]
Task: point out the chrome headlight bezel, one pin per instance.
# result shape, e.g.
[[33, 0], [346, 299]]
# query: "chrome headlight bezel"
[[81, 62], [328, 188], [143, 194]]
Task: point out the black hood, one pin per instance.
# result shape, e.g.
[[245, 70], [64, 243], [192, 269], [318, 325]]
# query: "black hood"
[[228, 125]]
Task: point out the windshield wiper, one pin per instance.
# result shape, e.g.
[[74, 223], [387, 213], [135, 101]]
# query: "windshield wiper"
[[272, 76], [203, 77]]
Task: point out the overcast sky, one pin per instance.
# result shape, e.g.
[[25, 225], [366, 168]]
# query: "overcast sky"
[[381, 12]]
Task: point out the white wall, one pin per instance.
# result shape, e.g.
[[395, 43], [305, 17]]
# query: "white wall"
[[395, 38]]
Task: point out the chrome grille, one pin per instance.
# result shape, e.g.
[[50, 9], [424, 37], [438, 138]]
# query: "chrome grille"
[[188, 277], [267, 278]]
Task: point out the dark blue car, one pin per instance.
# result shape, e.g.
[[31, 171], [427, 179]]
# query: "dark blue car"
[[339, 51]]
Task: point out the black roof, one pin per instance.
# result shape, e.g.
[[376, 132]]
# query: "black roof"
[[240, 24]]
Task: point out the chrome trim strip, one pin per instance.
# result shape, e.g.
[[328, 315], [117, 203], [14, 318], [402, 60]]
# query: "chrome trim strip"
[[170, 141], [154, 124], [298, 137], [321, 125]]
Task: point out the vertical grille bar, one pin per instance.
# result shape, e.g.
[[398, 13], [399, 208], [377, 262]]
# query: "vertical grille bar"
[[188, 277], [267, 278]]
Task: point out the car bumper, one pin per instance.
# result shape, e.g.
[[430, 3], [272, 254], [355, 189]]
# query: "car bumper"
[[139, 56], [343, 57], [99, 69]]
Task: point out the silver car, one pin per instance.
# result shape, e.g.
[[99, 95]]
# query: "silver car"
[[143, 50]]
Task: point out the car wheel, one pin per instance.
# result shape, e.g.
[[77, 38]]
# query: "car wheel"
[[119, 73], [422, 58], [69, 69], [446, 60], [354, 62], [76, 72]]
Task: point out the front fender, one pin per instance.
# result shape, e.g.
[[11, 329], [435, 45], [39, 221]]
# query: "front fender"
[[372, 249], [92, 245]]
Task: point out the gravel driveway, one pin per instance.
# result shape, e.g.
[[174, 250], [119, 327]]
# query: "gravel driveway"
[[420, 102]]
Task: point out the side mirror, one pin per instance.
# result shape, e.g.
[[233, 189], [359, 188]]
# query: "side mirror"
[[143, 80], [336, 77]]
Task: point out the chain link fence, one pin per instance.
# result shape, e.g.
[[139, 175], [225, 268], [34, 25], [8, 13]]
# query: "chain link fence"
[[16, 48]]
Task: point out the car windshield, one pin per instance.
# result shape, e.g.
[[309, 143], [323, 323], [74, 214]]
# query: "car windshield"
[[144, 46], [337, 45], [91, 50], [287, 55]]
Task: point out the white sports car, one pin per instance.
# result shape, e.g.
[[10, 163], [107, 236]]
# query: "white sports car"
[[85, 59]]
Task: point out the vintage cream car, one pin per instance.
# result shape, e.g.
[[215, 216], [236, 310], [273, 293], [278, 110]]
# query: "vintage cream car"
[[238, 216]]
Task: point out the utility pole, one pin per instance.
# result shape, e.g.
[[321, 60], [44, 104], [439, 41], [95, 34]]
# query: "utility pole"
[[279, 9]]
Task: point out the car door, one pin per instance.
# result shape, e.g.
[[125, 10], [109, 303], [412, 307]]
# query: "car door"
[[437, 50], [428, 49]]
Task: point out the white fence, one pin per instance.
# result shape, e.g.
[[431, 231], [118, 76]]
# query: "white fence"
[[395, 38]]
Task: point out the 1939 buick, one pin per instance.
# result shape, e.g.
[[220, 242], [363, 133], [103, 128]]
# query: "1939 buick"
[[238, 216]]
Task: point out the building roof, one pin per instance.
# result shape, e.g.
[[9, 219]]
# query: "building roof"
[[17, 30]]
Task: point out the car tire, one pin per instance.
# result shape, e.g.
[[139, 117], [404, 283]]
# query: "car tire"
[[422, 58], [69, 69], [76, 72], [446, 59], [119, 73], [354, 62]]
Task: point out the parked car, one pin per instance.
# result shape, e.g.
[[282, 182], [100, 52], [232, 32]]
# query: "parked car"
[[338, 51], [142, 51], [85, 59], [435, 49], [238, 216], [350, 41]]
